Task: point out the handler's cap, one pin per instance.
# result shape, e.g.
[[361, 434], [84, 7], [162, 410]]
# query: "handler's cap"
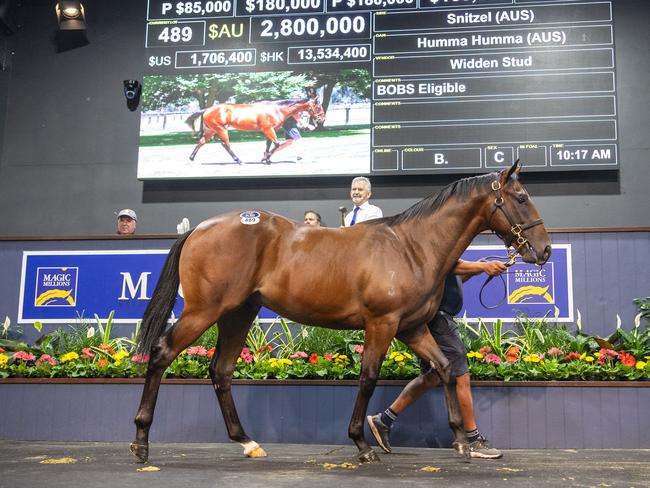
[[127, 212]]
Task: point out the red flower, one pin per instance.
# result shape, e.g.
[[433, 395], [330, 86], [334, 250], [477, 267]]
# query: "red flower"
[[485, 349], [211, 352], [313, 359], [627, 359], [246, 355], [512, 354], [140, 358], [107, 348], [87, 353], [571, 356], [46, 358], [197, 351], [2, 350], [358, 349], [102, 363], [25, 356], [493, 358], [265, 347], [328, 356]]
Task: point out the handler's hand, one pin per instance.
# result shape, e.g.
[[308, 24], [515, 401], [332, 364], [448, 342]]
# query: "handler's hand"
[[494, 268]]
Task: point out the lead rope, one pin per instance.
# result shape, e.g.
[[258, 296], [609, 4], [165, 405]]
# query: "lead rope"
[[511, 258]]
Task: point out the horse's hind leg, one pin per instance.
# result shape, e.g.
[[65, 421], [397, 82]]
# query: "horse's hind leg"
[[233, 328], [171, 343], [207, 135], [222, 133]]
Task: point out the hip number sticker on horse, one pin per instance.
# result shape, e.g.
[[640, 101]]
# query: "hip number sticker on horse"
[[249, 218]]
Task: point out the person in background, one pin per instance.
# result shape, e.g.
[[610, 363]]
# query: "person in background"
[[444, 330], [312, 218], [127, 221], [360, 192], [292, 127]]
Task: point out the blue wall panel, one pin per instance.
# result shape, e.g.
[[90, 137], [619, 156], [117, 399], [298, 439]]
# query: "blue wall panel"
[[512, 416], [610, 269]]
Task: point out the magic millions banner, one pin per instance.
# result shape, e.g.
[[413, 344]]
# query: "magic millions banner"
[[62, 286]]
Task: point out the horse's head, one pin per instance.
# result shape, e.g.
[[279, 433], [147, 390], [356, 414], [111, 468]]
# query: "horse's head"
[[514, 218], [316, 111]]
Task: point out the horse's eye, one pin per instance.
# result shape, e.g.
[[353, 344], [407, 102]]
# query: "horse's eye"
[[522, 198]]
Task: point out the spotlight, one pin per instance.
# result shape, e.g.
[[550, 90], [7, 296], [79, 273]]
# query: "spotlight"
[[72, 25], [132, 90], [71, 15]]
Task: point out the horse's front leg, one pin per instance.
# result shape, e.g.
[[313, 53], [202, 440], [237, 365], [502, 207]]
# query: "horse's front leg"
[[271, 138], [425, 347], [378, 337], [267, 152]]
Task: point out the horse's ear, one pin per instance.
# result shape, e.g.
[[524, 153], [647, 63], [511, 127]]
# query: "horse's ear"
[[506, 174]]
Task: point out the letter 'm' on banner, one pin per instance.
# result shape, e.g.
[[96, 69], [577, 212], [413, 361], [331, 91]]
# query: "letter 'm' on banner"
[[127, 282]]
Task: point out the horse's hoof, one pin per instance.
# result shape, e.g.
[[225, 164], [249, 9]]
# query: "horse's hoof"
[[140, 451], [253, 450], [191, 158], [369, 457], [462, 450], [256, 453]]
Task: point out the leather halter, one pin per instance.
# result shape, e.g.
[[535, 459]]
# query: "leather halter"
[[516, 230]]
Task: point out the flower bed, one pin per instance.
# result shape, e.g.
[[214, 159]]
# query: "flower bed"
[[541, 350]]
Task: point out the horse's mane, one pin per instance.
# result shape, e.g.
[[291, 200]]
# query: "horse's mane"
[[291, 101], [461, 189]]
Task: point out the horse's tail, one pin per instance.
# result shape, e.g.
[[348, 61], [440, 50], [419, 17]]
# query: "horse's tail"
[[160, 306], [190, 121]]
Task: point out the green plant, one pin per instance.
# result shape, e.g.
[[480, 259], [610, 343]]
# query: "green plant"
[[643, 305]]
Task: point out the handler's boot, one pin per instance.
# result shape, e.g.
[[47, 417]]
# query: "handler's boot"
[[482, 449], [380, 431]]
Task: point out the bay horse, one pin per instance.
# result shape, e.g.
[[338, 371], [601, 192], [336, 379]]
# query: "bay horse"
[[384, 276], [264, 117]]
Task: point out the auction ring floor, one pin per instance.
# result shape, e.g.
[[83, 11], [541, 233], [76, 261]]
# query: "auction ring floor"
[[102, 465]]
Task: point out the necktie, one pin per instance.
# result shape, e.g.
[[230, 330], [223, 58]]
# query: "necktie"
[[354, 216]]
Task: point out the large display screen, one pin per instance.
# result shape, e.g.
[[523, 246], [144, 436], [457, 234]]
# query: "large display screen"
[[251, 88]]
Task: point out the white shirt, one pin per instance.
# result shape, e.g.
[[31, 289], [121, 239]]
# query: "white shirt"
[[366, 212]]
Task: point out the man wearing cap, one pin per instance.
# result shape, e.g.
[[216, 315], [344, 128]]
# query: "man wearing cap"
[[126, 222]]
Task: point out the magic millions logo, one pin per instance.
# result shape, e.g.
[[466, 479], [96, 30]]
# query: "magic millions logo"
[[531, 284], [56, 287]]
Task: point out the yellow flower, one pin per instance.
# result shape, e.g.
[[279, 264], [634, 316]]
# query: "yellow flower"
[[582, 356], [589, 359], [532, 358], [288, 362], [341, 359], [597, 354], [118, 362], [3, 360], [239, 360], [393, 354], [401, 363], [398, 358], [407, 355], [640, 364], [474, 354], [71, 356], [118, 356]]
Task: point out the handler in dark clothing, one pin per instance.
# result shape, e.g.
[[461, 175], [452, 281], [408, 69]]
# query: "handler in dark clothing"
[[445, 332]]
